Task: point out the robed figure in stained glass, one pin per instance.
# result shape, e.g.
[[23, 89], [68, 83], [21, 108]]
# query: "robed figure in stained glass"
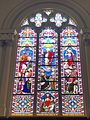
[[48, 103], [47, 79]]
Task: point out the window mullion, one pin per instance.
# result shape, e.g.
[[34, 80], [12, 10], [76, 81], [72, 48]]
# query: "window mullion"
[[36, 74], [59, 76]]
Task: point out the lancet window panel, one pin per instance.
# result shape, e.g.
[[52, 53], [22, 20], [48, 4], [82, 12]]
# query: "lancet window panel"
[[71, 76], [24, 81]]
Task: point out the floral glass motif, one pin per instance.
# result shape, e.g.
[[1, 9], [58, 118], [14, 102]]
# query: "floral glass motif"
[[58, 19], [38, 20], [71, 78], [24, 81]]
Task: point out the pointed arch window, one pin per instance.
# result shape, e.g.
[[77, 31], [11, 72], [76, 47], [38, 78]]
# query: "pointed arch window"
[[48, 78]]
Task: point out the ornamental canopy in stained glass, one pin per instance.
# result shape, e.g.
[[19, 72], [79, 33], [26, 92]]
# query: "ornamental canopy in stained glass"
[[48, 78]]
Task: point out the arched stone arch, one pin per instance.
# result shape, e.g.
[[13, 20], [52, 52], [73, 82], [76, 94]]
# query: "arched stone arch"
[[14, 17]]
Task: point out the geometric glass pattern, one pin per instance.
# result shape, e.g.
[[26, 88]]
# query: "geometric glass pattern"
[[48, 78], [72, 104], [22, 104]]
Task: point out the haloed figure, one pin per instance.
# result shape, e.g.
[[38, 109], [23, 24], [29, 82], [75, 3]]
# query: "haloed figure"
[[48, 103]]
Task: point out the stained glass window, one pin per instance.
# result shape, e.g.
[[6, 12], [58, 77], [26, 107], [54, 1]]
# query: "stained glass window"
[[48, 78]]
